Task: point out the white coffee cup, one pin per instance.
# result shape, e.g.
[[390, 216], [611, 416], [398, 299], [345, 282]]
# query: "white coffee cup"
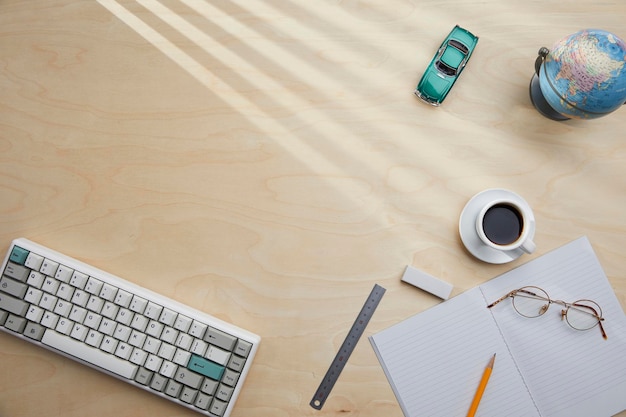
[[504, 225]]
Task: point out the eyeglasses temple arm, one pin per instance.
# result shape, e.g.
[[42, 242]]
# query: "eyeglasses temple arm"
[[600, 319], [502, 299]]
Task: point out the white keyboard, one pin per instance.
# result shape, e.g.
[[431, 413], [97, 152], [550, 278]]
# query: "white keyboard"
[[122, 329]]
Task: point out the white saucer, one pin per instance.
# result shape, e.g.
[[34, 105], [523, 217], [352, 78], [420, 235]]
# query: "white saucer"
[[467, 226]]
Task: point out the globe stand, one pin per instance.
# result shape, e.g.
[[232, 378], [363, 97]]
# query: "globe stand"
[[540, 102]]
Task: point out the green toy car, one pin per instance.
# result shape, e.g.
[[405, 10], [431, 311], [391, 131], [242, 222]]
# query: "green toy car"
[[446, 66]]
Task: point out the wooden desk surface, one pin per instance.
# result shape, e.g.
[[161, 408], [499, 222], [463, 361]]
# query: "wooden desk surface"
[[266, 162]]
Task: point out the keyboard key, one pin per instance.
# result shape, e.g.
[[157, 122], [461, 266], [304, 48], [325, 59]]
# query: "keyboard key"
[[50, 285], [218, 355], [64, 326], [49, 267], [236, 363], [167, 317], [224, 392], [209, 386], [138, 304], [108, 292], [122, 298], [94, 338], [17, 272], [93, 286], [243, 348], [168, 369], [15, 323], [48, 301], [182, 323], [95, 304], [218, 407], [230, 377], [13, 305], [35, 313], [158, 382], [89, 354], [13, 287], [153, 311], [18, 255], [197, 329], [33, 261], [220, 339], [203, 401], [33, 295], [173, 388], [169, 335], [79, 280], [154, 329], [138, 356], [181, 357], [188, 395], [79, 332], [49, 320], [65, 291], [144, 376], [205, 367], [191, 379], [81, 298], [35, 279], [64, 274], [34, 331]]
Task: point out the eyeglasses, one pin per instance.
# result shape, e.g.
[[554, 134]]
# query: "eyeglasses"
[[534, 302]]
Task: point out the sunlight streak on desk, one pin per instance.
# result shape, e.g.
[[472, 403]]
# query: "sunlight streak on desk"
[[307, 154]]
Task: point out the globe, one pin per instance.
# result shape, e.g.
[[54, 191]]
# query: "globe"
[[581, 77]]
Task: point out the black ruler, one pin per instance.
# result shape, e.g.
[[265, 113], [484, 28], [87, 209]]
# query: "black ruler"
[[347, 347]]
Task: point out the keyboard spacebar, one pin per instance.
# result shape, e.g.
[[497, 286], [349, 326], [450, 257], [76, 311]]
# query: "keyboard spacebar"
[[89, 354]]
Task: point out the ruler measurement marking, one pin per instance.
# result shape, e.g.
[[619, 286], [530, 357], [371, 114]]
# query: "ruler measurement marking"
[[347, 347]]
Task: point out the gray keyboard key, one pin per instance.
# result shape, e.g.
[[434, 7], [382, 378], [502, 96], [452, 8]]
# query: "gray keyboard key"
[[224, 392], [3, 317], [189, 378], [13, 287], [230, 377], [16, 271], [143, 376], [189, 395], [218, 407], [15, 323], [203, 401], [242, 348], [158, 382], [13, 305], [220, 339], [173, 388], [34, 331], [236, 363]]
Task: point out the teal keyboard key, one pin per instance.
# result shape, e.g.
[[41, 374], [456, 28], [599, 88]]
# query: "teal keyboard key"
[[205, 367], [19, 255]]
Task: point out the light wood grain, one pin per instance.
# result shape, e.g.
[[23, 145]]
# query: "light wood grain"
[[266, 162]]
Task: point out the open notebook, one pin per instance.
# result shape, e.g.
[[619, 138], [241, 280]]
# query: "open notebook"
[[435, 359]]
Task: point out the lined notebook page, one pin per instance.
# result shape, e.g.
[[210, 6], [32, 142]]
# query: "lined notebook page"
[[434, 362], [569, 372]]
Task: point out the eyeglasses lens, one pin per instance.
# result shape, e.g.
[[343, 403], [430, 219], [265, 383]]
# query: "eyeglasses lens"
[[583, 314], [531, 301]]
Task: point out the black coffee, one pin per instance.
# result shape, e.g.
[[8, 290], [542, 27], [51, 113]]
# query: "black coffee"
[[503, 224]]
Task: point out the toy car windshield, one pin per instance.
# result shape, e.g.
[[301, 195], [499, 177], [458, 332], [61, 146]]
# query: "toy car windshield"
[[446, 66]]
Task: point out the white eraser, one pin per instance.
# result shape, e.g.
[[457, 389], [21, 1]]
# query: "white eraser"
[[427, 282]]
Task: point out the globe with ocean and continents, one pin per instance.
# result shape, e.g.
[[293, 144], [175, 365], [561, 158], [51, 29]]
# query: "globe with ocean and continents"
[[583, 76]]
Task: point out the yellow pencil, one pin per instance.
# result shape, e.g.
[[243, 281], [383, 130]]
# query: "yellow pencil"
[[481, 387]]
